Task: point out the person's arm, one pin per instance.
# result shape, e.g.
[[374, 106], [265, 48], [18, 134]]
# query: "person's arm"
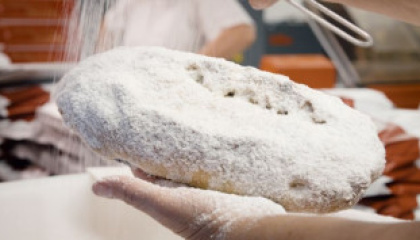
[[198, 214], [293, 227], [405, 10], [226, 27], [230, 41]]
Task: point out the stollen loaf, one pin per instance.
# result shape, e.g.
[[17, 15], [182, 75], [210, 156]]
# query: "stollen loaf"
[[213, 124]]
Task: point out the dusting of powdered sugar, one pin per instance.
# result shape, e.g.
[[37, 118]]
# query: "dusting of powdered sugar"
[[232, 209], [223, 211], [213, 124]]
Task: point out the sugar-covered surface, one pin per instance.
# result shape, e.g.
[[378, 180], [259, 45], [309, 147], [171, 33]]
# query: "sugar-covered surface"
[[213, 124]]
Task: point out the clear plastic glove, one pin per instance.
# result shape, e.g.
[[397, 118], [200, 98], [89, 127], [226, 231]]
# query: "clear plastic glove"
[[189, 212]]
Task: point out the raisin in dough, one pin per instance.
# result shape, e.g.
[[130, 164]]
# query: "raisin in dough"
[[216, 125]]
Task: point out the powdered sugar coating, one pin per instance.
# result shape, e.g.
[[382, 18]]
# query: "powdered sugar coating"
[[213, 124], [222, 211]]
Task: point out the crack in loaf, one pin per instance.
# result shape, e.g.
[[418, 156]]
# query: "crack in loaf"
[[216, 125]]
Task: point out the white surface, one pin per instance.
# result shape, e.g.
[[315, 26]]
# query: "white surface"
[[417, 212], [379, 187], [4, 59], [63, 208], [408, 119], [376, 105], [4, 103], [365, 100], [18, 130]]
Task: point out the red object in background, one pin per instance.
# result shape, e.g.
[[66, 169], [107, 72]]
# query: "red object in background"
[[34, 30], [348, 101], [35, 53], [394, 206], [36, 9], [314, 70], [402, 95], [25, 31], [280, 40], [402, 149], [401, 153], [23, 102]]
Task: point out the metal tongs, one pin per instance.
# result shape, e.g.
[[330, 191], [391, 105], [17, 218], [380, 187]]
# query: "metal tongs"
[[365, 40]]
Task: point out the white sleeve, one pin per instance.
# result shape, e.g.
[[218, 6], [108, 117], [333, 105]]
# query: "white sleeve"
[[115, 17], [216, 15]]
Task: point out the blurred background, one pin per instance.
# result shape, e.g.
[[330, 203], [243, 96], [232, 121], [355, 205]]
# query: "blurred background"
[[42, 39]]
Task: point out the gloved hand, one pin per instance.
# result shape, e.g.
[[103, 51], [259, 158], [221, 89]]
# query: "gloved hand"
[[189, 212]]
